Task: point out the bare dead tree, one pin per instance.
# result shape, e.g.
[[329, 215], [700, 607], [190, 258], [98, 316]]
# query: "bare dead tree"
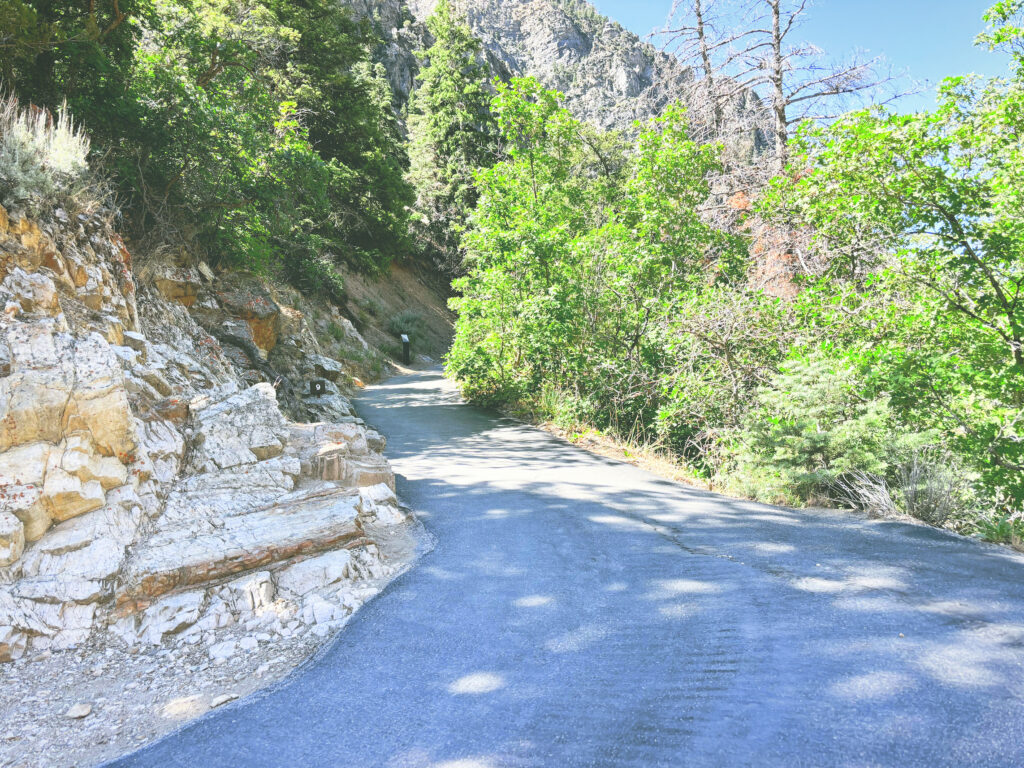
[[697, 34], [756, 80], [763, 53], [694, 39]]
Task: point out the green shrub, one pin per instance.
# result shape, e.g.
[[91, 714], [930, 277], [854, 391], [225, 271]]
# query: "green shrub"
[[405, 322], [319, 276], [261, 134], [336, 332], [409, 322], [1002, 529], [812, 425], [562, 408], [935, 487], [932, 486]]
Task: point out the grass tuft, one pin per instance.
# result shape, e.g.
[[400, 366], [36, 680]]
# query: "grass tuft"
[[43, 160]]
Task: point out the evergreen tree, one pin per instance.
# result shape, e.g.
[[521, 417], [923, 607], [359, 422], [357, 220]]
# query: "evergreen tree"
[[345, 102], [452, 133]]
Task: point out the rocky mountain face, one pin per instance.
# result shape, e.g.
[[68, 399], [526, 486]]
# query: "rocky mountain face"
[[177, 451], [610, 77]]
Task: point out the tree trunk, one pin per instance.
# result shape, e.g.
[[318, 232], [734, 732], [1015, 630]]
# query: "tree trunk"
[[709, 71], [778, 65]]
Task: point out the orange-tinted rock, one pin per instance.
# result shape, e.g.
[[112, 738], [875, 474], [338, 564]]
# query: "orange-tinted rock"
[[180, 284], [173, 409]]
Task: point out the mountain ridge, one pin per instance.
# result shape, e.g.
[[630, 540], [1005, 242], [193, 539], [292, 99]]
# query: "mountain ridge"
[[610, 77]]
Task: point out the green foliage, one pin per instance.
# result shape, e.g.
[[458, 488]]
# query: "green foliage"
[[391, 349], [561, 408], [267, 177], [451, 133], [260, 134], [811, 424], [411, 323], [578, 256], [1001, 529], [893, 376], [725, 342], [336, 332], [935, 486], [81, 53], [944, 192], [346, 103], [1006, 28], [318, 274]]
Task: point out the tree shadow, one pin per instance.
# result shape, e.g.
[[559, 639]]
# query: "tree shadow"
[[577, 611]]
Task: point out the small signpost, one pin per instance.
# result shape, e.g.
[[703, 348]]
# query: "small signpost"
[[317, 387], [406, 349]]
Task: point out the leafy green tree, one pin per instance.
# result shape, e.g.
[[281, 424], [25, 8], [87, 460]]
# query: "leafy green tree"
[[269, 131], [724, 342], [451, 132], [945, 191], [579, 258], [1006, 28], [511, 308], [81, 53], [260, 134], [345, 103]]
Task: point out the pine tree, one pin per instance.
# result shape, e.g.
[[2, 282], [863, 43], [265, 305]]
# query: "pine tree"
[[452, 133]]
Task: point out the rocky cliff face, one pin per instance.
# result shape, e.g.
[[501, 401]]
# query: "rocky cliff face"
[[609, 76], [165, 466]]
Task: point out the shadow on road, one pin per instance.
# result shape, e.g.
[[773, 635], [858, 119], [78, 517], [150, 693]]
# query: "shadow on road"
[[577, 611]]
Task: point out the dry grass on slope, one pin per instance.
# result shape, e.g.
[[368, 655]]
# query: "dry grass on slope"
[[44, 161]]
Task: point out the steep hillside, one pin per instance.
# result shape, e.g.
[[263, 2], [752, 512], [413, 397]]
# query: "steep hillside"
[[181, 477], [136, 411], [610, 77]]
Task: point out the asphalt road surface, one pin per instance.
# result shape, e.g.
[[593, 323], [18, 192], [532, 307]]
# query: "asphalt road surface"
[[577, 611]]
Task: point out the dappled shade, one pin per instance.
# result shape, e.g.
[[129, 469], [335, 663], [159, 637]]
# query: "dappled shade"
[[610, 617]]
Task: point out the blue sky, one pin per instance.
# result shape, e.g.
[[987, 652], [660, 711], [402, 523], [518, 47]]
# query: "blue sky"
[[930, 38]]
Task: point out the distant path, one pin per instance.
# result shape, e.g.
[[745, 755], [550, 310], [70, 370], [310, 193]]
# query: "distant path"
[[579, 612]]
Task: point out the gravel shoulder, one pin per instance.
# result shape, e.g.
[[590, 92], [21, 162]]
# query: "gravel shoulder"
[[135, 695]]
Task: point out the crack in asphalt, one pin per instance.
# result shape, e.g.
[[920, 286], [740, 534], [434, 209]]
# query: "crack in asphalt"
[[576, 611]]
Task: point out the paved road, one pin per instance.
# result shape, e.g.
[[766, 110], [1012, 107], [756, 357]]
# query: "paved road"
[[580, 612]]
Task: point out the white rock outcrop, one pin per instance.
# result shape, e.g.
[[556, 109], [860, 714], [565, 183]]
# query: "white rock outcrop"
[[12, 538], [151, 487]]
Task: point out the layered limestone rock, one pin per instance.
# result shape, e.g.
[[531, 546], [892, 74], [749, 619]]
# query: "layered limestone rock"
[[151, 480], [320, 592], [12, 538]]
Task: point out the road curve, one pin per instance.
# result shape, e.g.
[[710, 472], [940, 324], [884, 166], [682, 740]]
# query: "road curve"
[[577, 611]]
